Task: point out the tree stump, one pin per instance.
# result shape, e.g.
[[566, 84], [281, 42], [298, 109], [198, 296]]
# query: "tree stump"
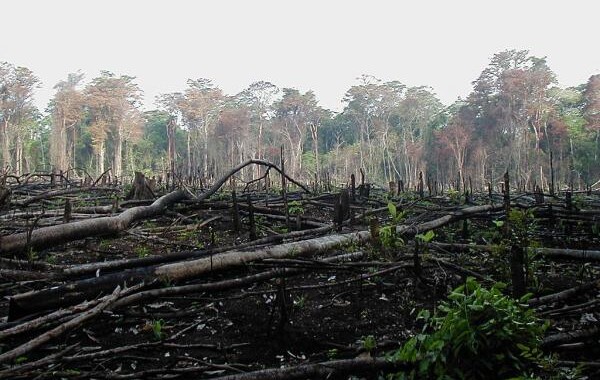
[[341, 210], [4, 196], [141, 188]]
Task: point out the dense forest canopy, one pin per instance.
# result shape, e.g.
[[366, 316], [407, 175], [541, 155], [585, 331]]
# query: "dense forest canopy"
[[515, 119]]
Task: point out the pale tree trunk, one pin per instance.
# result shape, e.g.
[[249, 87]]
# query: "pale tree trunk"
[[5, 146], [205, 174], [171, 146], [129, 157], [362, 143], [259, 148], [118, 154], [387, 171], [58, 147], [19, 155], [101, 156], [189, 153], [298, 155], [314, 129], [61, 147], [72, 160]]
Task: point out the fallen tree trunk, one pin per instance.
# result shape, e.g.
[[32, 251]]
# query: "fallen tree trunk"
[[57, 193], [52, 235], [26, 303], [59, 330], [224, 284], [565, 294], [570, 336], [564, 253], [325, 370]]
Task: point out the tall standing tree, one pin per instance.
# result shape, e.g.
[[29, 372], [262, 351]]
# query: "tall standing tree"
[[200, 107], [67, 109], [17, 112], [170, 103], [295, 112], [259, 98], [361, 105], [113, 104], [417, 112], [511, 96]]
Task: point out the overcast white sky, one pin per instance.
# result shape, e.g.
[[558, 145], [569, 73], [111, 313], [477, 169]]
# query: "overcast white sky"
[[320, 45]]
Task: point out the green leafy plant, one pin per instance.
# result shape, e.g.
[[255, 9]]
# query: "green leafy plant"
[[389, 238], [332, 353], [295, 208], [426, 237], [157, 329], [387, 234], [454, 195], [142, 251], [32, 255], [104, 244], [397, 217], [369, 343], [300, 302], [478, 334], [149, 224], [522, 225], [21, 359], [165, 281], [187, 235]]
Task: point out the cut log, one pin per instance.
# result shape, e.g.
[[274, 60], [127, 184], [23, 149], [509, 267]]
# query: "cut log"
[[224, 284], [570, 336], [52, 235], [59, 330], [562, 253], [27, 303], [565, 294], [58, 193], [325, 370]]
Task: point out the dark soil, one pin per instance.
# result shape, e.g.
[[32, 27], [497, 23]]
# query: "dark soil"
[[325, 313]]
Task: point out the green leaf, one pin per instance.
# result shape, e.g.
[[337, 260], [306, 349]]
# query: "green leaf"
[[392, 210], [21, 359]]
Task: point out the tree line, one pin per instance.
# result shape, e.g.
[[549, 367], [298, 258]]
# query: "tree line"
[[516, 118]]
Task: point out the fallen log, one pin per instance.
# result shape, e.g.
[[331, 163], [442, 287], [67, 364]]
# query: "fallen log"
[[50, 298], [222, 285], [52, 235], [563, 253], [44, 319], [59, 330], [570, 336], [325, 370], [23, 370], [565, 294], [57, 193]]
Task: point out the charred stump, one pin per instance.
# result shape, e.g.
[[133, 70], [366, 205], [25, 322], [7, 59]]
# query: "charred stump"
[[141, 188]]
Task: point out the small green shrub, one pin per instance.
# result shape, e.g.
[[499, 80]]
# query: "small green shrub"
[[478, 334], [295, 208], [387, 234], [332, 353], [426, 237], [142, 251], [157, 329], [369, 343]]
